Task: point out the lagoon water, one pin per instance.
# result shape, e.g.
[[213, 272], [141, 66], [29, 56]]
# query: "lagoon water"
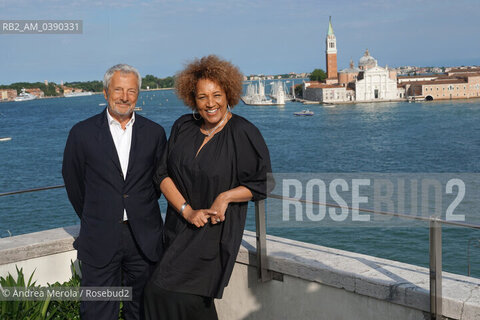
[[433, 137]]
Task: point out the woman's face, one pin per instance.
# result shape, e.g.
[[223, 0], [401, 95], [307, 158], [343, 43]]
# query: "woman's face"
[[211, 102]]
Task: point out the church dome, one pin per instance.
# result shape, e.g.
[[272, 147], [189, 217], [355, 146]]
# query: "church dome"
[[367, 61], [351, 69]]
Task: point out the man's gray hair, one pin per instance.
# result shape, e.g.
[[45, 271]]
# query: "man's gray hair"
[[123, 68]]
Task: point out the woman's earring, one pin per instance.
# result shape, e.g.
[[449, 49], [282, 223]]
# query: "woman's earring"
[[194, 113], [229, 109]]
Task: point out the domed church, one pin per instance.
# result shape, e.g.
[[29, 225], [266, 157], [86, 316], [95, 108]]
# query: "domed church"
[[367, 61], [374, 82], [368, 82]]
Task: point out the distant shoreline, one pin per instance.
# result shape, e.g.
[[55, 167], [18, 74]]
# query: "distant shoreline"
[[159, 89], [52, 97]]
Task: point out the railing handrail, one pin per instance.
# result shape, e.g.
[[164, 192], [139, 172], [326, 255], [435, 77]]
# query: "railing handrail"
[[385, 213], [276, 196], [31, 190]]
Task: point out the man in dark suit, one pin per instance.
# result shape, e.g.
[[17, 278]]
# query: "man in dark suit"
[[108, 168]]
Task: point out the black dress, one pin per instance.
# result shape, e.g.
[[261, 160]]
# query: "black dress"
[[200, 261]]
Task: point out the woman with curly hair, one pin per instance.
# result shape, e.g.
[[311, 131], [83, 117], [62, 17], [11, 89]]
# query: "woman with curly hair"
[[217, 161]]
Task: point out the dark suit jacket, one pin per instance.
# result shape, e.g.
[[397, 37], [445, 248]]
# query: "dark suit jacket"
[[98, 192]]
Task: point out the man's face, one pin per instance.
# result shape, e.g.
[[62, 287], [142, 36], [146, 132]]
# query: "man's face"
[[122, 94]]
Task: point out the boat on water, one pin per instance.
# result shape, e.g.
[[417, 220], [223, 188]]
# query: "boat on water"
[[77, 94], [102, 104], [255, 96], [257, 101], [137, 109], [279, 92], [304, 112], [25, 96], [5, 138]]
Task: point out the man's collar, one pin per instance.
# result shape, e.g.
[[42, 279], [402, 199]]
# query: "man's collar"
[[112, 120]]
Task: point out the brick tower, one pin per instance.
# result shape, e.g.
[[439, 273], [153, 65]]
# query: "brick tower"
[[331, 54]]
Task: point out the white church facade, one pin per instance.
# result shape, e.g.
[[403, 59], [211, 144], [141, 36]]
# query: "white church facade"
[[374, 82], [368, 82]]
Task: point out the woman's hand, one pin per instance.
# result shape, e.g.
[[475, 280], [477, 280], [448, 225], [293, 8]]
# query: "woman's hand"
[[199, 217], [220, 206]]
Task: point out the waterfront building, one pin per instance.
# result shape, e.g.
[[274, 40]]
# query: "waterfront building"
[[367, 82], [463, 71], [374, 82], [367, 61], [8, 94], [330, 90], [370, 82], [36, 92], [456, 83], [401, 92], [460, 86], [327, 93], [302, 75], [331, 55], [348, 75], [402, 79], [70, 90]]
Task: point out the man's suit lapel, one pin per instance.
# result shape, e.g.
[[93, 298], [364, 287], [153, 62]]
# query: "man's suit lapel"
[[106, 141], [136, 142]]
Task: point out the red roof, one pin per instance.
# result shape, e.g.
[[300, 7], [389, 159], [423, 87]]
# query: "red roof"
[[464, 70], [434, 82], [316, 84], [419, 76]]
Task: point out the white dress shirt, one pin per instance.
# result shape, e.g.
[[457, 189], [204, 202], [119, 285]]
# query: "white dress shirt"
[[123, 141]]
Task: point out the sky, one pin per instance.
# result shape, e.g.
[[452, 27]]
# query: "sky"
[[261, 37]]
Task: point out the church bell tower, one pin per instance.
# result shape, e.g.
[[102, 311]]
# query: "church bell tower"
[[331, 54]]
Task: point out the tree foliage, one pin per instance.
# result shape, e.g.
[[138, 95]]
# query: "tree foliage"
[[92, 86], [153, 82], [318, 75], [298, 90], [52, 89], [49, 90]]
